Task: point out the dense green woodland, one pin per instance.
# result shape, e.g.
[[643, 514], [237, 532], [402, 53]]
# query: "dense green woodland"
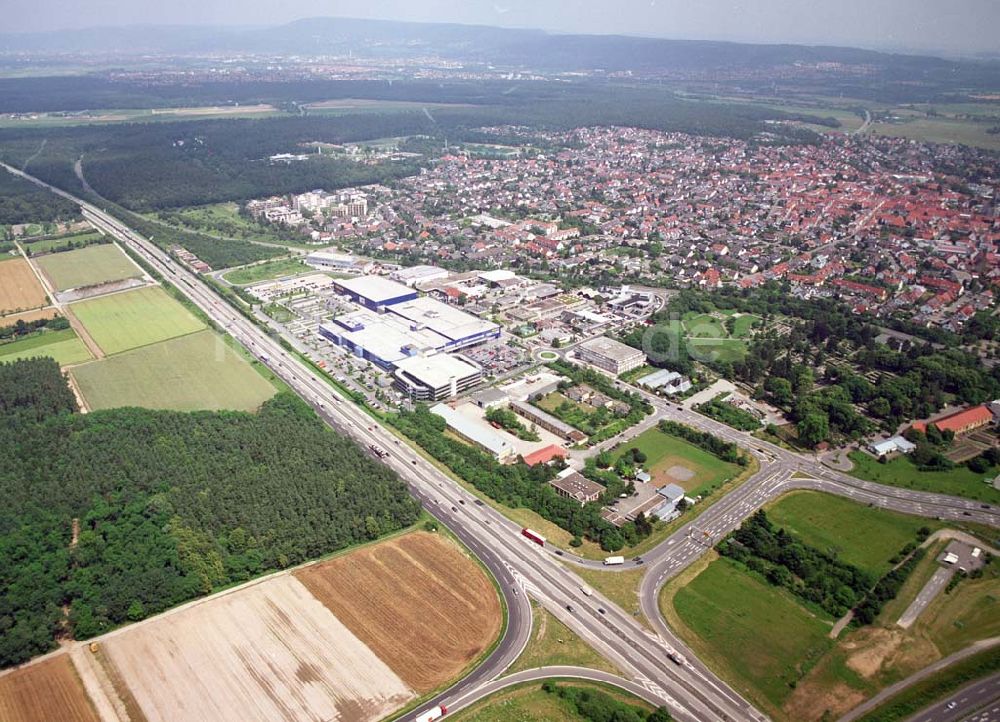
[[170, 505], [22, 201]]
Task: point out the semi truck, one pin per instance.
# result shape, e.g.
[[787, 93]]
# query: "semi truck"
[[432, 714], [378, 451], [533, 536], [612, 561]]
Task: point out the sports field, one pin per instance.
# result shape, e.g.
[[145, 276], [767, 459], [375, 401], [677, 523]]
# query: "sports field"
[[426, 609], [19, 287], [860, 535], [729, 610], [671, 460], [124, 321], [64, 346], [266, 271], [88, 266], [197, 371], [46, 691]]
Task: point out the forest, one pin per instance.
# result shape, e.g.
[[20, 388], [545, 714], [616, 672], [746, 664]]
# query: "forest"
[[22, 201], [123, 513]]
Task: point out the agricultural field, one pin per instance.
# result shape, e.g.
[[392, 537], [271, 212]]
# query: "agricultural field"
[[199, 371], [427, 610], [19, 287], [266, 271], [860, 535], [64, 346], [27, 316], [670, 460], [959, 481], [941, 130], [45, 691], [88, 266], [268, 651], [128, 320], [45, 245]]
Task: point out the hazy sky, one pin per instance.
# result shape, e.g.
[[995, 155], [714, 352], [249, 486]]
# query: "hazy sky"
[[964, 26]]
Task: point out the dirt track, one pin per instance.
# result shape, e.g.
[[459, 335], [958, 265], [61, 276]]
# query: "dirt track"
[[426, 609]]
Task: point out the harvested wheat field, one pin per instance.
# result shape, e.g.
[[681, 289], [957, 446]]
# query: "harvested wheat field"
[[417, 601], [19, 287], [45, 691], [28, 316], [267, 652]]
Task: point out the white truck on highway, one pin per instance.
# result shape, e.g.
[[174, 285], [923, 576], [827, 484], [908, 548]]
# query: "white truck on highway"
[[612, 561], [676, 657], [432, 714], [587, 591]]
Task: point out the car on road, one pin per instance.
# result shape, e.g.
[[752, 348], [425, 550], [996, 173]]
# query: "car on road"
[[461, 501], [569, 608], [454, 508], [951, 705], [479, 502], [601, 610]]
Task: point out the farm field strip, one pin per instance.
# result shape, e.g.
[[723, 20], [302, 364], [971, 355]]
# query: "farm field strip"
[[427, 610], [88, 266], [199, 371], [131, 319], [64, 346], [20, 289], [269, 651], [45, 691]]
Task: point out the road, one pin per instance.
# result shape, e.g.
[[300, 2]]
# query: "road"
[[978, 702], [691, 691], [926, 595]]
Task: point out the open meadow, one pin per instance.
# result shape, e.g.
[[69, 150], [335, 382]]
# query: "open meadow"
[[63, 345], [19, 287], [43, 692], [959, 481], [128, 320], [88, 266], [268, 651], [199, 371], [427, 609]]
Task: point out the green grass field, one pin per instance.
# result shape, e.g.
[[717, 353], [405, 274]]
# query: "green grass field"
[[224, 219], [197, 371], [128, 320], [529, 703], [731, 612], [860, 535], [553, 643], [705, 325], [64, 346], [88, 266], [959, 481], [942, 130], [743, 325], [48, 244], [266, 271], [664, 451]]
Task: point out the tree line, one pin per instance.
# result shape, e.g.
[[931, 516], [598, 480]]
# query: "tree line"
[[168, 505]]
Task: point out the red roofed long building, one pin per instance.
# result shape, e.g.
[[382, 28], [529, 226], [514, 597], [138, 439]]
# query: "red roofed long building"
[[960, 422]]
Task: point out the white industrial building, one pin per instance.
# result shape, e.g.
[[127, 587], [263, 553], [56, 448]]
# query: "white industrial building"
[[436, 377], [416, 275], [669, 382], [483, 438], [610, 355]]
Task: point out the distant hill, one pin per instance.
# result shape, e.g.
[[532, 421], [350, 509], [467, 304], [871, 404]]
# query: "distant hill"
[[481, 43]]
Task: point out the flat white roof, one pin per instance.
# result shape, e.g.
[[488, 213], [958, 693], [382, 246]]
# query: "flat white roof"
[[499, 446], [609, 348], [418, 273], [376, 288], [446, 320], [497, 275], [437, 370]]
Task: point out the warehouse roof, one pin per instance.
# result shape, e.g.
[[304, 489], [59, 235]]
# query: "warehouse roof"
[[446, 320], [609, 348], [375, 288], [466, 427], [436, 370]]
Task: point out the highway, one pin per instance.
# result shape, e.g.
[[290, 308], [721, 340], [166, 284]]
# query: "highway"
[[691, 691]]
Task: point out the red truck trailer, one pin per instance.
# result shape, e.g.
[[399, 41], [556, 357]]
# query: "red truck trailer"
[[432, 714], [533, 536]]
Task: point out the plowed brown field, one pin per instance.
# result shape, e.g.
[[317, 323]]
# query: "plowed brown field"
[[45, 691], [417, 601], [19, 288], [28, 316]]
